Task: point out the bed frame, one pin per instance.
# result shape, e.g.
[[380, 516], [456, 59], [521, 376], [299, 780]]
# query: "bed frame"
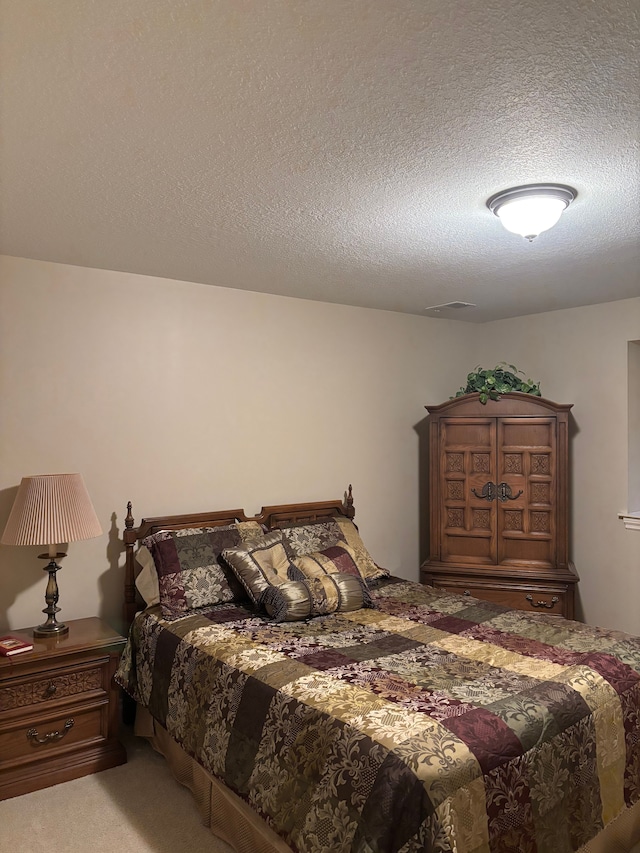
[[270, 516]]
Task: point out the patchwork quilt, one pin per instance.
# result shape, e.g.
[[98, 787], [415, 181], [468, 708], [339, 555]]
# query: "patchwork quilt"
[[433, 722]]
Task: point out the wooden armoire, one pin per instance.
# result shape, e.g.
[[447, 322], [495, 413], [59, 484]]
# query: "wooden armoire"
[[499, 502]]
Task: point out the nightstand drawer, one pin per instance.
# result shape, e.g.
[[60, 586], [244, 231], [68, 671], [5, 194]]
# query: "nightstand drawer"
[[45, 735], [70, 683]]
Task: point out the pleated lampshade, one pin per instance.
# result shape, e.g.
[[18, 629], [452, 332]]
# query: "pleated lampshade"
[[50, 509]]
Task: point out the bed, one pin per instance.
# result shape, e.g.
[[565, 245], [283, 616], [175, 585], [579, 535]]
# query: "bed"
[[417, 721]]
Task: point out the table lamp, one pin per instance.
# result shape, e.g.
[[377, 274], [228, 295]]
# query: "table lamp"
[[51, 509]]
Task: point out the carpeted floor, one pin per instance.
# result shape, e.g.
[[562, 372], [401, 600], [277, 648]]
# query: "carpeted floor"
[[135, 808]]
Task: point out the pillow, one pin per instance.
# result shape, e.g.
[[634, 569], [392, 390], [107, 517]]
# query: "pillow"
[[264, 568], [260, 564], [336, 559], [314, 536], [307, 537], [369, 570], [188, 566], [147, 578], [295, 600]]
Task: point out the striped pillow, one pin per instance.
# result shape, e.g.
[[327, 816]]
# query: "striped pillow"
[[296, 600], [336, 559]]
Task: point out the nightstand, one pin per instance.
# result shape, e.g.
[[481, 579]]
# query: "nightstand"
[[59, 708]]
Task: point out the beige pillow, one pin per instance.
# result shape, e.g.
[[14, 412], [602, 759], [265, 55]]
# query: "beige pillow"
[[368, 569], [147, 578]]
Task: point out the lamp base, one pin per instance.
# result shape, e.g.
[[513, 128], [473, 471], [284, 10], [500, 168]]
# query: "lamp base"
[[51, 628], [57, 629]]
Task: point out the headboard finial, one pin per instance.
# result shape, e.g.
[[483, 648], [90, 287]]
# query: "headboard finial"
[[349, 503], [128, 522]]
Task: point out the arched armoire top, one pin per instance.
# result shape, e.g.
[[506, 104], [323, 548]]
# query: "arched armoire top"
[[514, 404]]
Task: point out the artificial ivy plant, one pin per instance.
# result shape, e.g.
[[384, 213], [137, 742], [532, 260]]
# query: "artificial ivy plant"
[[491, 383]]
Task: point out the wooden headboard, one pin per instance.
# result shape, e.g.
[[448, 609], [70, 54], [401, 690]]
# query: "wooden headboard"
[[270, 516]]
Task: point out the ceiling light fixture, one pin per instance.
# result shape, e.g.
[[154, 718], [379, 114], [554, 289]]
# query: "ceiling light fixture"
[[532, 209]]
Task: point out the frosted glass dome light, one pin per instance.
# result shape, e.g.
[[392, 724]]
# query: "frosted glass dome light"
[[530, 210]]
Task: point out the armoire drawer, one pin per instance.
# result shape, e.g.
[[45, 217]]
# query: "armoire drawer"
[[540, 601]]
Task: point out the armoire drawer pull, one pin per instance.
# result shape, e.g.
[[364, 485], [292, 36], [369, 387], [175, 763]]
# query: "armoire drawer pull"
[[51, 688], [542, 603], [32, 734], [466, 592]]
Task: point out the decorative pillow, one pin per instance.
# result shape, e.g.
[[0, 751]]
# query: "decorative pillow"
[[147, 578], [295, 600], [369, 570], [189, 568], [307, 537], [310, 537], [341, 559], [337, 591], [260, 564], [287, 602]]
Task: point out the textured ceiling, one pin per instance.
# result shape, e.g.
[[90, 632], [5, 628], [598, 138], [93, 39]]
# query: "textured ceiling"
[[338, 150]]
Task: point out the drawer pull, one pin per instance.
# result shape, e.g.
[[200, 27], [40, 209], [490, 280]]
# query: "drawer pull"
[[466, 592], [543, 603], [32, 734], [51, 688]]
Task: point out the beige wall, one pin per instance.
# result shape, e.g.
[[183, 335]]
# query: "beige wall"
[[580, 356], [183, 397], [633, 488]]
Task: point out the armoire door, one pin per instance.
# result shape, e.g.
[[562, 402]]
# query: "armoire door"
[[498, 496], [527, 507], [467, 463]]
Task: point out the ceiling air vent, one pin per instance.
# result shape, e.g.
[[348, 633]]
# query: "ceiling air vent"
[[446, 306]]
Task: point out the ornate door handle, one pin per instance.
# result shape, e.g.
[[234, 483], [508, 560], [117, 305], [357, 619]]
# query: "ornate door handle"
[[502, 492], [542, 603], [488, 492], [32, 734], [505, 493]]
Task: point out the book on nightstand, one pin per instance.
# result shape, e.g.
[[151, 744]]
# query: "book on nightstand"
[[13, 645]]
